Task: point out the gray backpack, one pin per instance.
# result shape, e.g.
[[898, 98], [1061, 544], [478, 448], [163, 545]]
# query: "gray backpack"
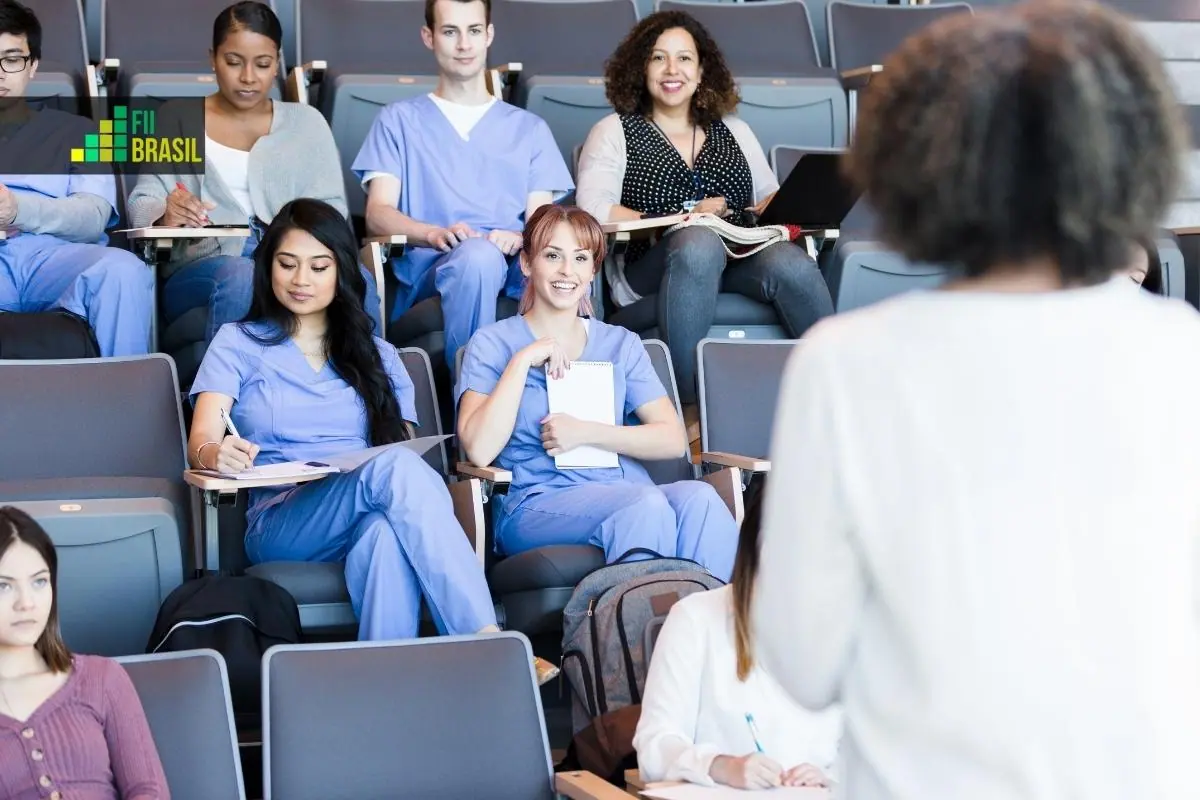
[[610, 624]]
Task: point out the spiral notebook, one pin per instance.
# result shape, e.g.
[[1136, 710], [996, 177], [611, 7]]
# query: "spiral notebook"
[[586, 392]]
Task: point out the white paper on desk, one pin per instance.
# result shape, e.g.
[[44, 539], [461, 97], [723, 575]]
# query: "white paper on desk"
[[345, 462], [586, 392], [692, 791], [348, 462]]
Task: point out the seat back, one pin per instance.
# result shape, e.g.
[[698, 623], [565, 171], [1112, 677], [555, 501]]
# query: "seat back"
[[157, 66], [739, 387], [186, 699], [818, 18], [862, 34], [561, 77], [61, 81], [1173, 28], [375, 57], [111, 417], [771, 49], [94, 450], [446, 717], [676, 469], [420, 371]]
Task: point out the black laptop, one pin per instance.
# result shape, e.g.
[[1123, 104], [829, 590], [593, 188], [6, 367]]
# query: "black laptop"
[[815, 195]]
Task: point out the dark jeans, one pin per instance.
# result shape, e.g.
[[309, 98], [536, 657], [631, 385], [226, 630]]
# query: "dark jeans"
[[687, 270]]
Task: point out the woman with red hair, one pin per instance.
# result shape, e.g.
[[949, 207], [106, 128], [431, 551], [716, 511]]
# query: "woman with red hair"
[[504, 418]]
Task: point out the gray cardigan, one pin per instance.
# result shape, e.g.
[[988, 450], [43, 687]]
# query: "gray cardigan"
[[297, 158]]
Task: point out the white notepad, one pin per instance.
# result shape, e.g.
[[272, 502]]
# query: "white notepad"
[[586, 392]]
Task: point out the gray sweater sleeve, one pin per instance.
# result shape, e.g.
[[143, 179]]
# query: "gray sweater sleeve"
[[80, 217]]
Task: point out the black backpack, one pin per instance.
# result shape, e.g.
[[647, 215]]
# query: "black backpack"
[[239, 617], [46, 335]]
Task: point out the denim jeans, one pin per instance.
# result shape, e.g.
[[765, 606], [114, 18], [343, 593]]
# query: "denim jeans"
[[690, 267], [226, 285]]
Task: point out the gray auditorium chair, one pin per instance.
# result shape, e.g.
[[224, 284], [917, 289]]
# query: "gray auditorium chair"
[[355, 57], [561, 77], [65, 80], [186, 699], [140, 60], [738, 391], [862, 35], [817, 16], [428, 719], [318, 588], [769, 46], [94, 450], [861, 270], [533, 587]]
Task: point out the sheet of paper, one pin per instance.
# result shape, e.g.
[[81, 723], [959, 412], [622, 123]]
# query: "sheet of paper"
[[347, 462], [279, 472], [586, 392], [692, 791]]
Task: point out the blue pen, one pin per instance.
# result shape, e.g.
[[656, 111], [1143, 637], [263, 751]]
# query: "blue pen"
[[754, 732]]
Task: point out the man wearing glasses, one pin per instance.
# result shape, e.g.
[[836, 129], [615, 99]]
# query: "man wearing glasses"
[[53, 253]]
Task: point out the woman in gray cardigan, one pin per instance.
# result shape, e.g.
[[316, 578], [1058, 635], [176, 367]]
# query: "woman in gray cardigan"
[[259, 155]]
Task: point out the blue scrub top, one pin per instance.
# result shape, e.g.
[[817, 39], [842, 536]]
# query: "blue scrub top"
[[635, 383], [291, 411]]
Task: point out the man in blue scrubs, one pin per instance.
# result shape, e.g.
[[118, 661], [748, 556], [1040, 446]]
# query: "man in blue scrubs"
[[53, 254], [458, 171]]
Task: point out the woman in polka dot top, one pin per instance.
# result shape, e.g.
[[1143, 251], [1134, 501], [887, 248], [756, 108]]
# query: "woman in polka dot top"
[[669, 148]]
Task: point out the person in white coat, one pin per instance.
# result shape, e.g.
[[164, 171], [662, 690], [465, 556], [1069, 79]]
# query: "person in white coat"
[[711, 715], [982, 538]]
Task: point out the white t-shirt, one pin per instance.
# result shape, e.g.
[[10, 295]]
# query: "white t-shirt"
[[462, 118], [982, 538], [233, 167]]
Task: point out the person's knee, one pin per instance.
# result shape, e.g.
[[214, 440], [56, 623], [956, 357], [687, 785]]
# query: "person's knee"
[[695, 251], [475, 263], [697, 496], [399, 467], [649, 505], [125, 270], [235, 271]]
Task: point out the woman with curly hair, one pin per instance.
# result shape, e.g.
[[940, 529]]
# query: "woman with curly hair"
[[968, 542], [671, 146]]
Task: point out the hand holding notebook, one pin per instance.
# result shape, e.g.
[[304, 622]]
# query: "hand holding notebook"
[[586, 392]]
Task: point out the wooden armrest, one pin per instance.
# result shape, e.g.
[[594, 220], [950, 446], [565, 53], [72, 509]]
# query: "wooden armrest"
[[586, 786], [500, 76], [211, 483], [745, 463], [300, 78], [93, 80], [493, 474], [860, 77], [727, 482], [633, 781], [1186, 230], [162, 232], [511, 68]]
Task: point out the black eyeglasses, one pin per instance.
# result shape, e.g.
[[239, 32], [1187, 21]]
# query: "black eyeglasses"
[[12, 64]]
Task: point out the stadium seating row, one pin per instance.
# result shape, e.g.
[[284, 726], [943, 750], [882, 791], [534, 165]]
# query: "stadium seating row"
[[59, 440], [338, 723]]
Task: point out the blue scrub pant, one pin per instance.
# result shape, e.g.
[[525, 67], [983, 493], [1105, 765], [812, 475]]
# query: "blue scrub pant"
[[110, 288], [392, 522], [687, 519], [469, 279]]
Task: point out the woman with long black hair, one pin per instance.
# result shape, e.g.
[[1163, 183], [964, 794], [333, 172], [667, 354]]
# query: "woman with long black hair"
[[303, 378]]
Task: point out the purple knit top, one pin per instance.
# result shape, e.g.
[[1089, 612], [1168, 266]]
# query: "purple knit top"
[[88, 741]]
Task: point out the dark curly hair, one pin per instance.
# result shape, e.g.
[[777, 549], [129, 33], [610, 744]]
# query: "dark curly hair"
[[625, 71], [1048, 130]]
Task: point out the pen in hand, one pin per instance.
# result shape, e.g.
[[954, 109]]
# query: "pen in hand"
[[230, 428], [754, 732]]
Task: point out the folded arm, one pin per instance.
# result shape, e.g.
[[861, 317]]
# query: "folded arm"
[[80, 217]]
